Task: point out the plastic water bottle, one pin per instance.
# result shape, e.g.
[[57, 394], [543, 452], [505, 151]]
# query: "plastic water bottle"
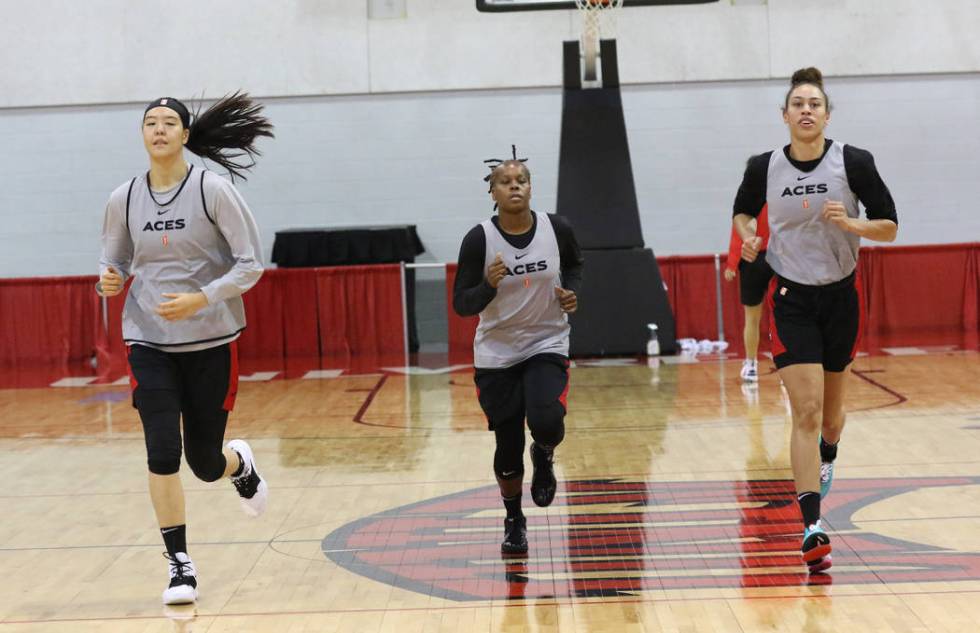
[[653, 355], [653, 345]]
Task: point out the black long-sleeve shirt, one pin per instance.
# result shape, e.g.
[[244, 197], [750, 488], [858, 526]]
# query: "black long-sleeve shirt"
[[803, 246], [862, 177], [472, 293]]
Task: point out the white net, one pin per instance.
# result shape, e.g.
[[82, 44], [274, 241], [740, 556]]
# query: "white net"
[[598, 19]]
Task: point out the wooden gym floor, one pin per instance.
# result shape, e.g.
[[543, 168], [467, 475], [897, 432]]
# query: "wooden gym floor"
[[674, 512]]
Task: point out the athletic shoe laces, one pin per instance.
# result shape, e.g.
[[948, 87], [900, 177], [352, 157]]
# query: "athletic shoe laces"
[[825, 469], [247, 484], [180, 571]]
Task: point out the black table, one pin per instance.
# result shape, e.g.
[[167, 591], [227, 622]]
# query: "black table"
[[346, 246], [353, 245]]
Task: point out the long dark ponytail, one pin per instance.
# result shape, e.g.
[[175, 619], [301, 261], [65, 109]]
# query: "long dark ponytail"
[[233, 123], [226, 133]]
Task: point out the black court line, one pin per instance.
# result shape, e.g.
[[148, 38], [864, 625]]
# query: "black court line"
[[486, 482], [430, 430], [862, 374], [519, 603], [59, 548]]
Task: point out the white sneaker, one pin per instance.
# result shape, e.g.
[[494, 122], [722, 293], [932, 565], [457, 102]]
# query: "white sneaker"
[[750, 391], [183, 580], [252, 489], [750, 371]]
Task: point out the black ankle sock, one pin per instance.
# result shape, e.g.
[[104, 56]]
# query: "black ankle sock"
[[175, 538], [828, 452], [513, 505], [241, 466], [810, 507]]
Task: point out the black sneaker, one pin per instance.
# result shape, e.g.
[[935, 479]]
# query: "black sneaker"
[[183, 580], [515, 536], [543, 482]]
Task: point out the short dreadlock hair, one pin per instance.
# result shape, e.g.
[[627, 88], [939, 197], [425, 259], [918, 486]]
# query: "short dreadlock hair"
[[494, 163]]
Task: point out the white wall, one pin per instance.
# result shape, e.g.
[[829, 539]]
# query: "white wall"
[[417, 158], [382, 121], [59, 52]]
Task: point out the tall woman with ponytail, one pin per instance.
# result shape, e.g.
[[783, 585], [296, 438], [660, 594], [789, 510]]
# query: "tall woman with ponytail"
[[190, 243], [813, 188]]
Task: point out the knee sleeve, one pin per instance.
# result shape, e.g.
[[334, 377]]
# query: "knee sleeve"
[[208, 466], [547, 423], [203, 437], [160, 414], [508, 458], [163, 464]]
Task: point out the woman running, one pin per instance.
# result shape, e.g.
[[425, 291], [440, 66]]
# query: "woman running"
[[190, 243], [812, 187], [520, 271], [753, 279]]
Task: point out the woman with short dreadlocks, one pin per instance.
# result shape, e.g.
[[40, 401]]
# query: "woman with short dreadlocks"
[[520, 271], [190, 243]]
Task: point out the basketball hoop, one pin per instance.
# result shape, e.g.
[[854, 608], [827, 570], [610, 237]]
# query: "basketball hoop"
[[594, 14]]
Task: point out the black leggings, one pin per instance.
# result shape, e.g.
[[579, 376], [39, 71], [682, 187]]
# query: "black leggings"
[[199, 385], [535, 389]]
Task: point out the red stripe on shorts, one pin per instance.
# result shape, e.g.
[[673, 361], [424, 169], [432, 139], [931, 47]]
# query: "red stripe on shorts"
[[861, 315], [229, 403], [563, 398], [777, 345], [129, 369]]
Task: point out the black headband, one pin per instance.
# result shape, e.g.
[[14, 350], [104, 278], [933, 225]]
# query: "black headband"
[[173, 104]]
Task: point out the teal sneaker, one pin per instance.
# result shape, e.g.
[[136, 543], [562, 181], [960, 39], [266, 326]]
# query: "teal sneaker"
[[816, 548], [826, 478], [820, 565], [826, 474]]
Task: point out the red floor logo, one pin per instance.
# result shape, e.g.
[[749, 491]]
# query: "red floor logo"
[[615, 537]]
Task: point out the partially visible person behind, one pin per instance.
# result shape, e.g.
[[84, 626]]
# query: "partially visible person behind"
[[753, 280]]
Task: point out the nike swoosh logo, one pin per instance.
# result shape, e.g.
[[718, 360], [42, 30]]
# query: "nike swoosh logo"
[[164, 211], [507, 473], [169, 530], [520, 256], [798, 178]]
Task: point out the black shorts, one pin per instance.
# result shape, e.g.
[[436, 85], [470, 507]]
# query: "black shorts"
[[753, 280], [815, 324], [506, 394], [203, 381]]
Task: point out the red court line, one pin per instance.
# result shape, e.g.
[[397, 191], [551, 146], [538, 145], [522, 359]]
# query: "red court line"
[[899, 398], [359, 416]]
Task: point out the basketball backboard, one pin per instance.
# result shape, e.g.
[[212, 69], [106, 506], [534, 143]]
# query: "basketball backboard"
[[494, 6]]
